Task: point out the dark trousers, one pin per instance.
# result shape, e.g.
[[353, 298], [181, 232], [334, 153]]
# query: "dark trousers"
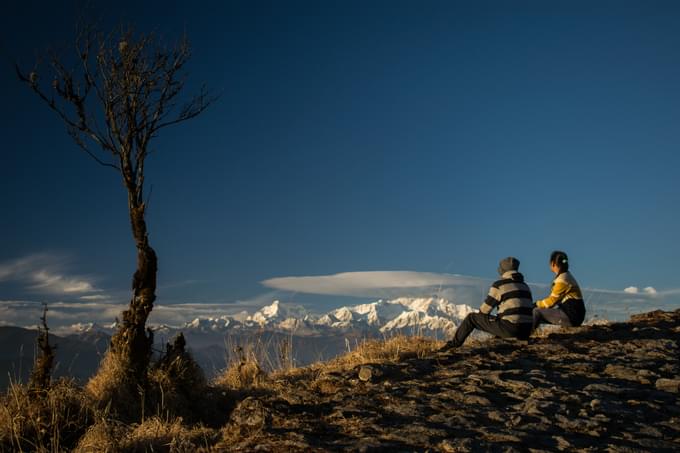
[[551, 316], [492, 325]]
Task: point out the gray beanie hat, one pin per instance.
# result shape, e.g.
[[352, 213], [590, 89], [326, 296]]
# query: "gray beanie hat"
[[508, 264]]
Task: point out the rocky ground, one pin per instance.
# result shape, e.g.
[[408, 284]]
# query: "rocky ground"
[[598, 388]]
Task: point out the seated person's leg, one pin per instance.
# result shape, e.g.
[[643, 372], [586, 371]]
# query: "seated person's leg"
[[552, 316], [486, 323], [497, 327], [464, 330]]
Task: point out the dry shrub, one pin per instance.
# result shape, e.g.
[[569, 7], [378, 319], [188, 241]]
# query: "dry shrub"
[[154, 434], [113, 390], [246, 367], [157, 435], [243, 375], [48, 420], [177, 386], [102, 437]]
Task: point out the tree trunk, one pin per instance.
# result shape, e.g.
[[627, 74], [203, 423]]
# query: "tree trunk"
[[132, 340]]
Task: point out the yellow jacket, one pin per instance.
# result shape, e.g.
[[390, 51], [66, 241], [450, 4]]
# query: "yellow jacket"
[[564, 288]]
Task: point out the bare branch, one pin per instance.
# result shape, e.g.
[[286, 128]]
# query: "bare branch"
[[192, 109], [75, 134]]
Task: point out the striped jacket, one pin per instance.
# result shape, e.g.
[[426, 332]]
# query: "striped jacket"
[[512, 297]]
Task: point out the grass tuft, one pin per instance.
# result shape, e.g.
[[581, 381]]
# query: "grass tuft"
[[50, 420]]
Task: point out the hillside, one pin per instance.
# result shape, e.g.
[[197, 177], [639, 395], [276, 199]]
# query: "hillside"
[[608, 387], [596, 388]]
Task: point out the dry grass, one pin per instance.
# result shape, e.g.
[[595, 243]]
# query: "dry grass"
[[111, 390], [388, 350], [178, 388], [241, 376], [158, 435], [251, 363], [188, 413], [49, 420], [245, 369], [322, 377], [154, 434], [102, 437]]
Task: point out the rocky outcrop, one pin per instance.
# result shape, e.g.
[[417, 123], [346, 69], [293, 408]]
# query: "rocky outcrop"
[[597, 388]]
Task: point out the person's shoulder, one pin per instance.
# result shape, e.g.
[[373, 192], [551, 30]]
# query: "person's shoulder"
[[566, 277], [515, 277], [569, 277], [500, 282], [562, 277]]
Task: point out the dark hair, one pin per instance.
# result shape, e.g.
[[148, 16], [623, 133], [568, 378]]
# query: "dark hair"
[[560, 259]]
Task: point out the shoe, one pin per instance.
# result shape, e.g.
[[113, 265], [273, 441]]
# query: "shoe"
[[450, 345]]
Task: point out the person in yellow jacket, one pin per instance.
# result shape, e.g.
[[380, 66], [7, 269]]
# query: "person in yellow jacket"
[[565, 305]]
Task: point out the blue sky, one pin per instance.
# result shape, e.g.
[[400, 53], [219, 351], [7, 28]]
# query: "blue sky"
[[432, 137]]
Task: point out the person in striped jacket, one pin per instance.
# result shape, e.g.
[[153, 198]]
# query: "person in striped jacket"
[[565, 305], [511, 297]]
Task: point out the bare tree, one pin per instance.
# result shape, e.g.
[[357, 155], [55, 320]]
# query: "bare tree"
[[42, 368], [115, 96]]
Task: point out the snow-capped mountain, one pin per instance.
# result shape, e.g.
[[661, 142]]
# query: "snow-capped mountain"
[[313, 337], [277, 313], [427, 315], [419, 315]]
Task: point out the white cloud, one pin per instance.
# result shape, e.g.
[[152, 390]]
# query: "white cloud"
[[259, 300], [95, 297], [650, 290], [59, 284], [46, 274], [60, 314], [371, 283]]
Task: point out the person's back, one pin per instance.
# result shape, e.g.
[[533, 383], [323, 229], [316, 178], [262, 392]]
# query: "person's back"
[[511, 297], [564, 306]]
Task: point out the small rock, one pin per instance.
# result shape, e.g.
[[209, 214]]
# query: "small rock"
[[514, 421], [476, 400], [603, 388], [646, 373], [447, 446], [250, 416], [621, 372], [365, 373], [595, 404], [601, 418], [650, 431], [562, 443], [668, 385], [496, 416]]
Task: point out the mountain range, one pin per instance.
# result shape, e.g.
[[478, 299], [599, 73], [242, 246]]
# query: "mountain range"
[[268, 332]]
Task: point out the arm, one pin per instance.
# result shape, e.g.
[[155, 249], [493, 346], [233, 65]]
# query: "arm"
[[559, 290], [491, 301]]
